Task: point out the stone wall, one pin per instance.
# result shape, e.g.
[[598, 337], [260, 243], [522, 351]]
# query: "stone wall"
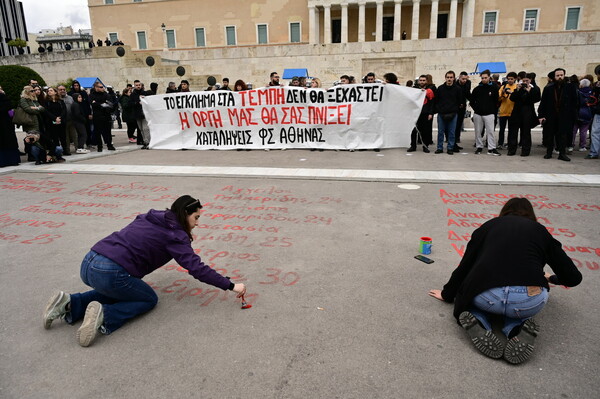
[[577, 52]]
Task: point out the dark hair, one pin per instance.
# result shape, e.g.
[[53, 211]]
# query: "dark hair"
[[410, 83], [240, 82], [561, 69], [423, 76], [183, 207], [136, 81], [226, 80], [391, 77], [450, 72], [371, 74], [521, 74], [464, 73], [486, 72], [530, 76], [273, 73], [345, 77], [512, 75], [185, 81], [518, 207]]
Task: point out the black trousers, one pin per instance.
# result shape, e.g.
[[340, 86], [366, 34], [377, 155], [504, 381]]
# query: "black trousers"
[[102, 131], [425, 126], [459, 124], [516, 125]]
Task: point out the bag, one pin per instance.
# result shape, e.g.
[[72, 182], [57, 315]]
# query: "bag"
[[448, 117], [22, 118]]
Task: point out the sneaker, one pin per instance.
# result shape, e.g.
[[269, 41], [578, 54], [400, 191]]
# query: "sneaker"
[[426, 149], [485, 341], [56, 308], [563, 157], [588, 156], [519, 348], [457, 148], [92, 321], [111, 147], [450, 152], [494, 152], [582, 149], [411, 149], [82, 151], [438, 151], [499, 147], [132, 140], [569, 150], [478, 151]]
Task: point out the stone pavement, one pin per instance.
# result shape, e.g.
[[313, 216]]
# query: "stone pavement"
[[325, 243]]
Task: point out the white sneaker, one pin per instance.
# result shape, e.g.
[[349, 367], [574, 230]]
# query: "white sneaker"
[[582, 149], [569, 148], [82, 151]]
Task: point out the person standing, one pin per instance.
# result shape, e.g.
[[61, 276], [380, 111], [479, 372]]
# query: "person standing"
[[115, 266], [424, 125], [54, 132], [465, 84], [9, 145], [136, 97], [70, 132], [483, 101], [448, 98], [79, 117], [225, 85], [523, 117], [274, 79], [102, 106], [557, 112], [584, 115], [506, 106], [595, 130], [128, 117]]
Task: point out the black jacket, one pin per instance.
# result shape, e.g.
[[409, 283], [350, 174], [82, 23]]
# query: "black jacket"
[[508, 251], [102, 106], [135, 100], [524, 108], [559, 102], [448, 99], [484, 99]]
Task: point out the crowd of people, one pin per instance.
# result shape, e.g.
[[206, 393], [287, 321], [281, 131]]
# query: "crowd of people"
[[59, 120]]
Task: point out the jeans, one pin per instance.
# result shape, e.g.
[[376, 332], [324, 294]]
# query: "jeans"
[[514, 303], [595, 136], [582, 128], [121, 295], [443, 128]]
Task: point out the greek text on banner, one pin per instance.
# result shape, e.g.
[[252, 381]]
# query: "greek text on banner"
[[342, 117]]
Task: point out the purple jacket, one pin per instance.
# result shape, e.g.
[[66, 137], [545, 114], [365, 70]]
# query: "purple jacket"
[[152, 240]]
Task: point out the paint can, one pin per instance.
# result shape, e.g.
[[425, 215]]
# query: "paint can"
[[425, 245]]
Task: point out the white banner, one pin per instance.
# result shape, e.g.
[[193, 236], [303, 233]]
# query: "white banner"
[[342, 117]]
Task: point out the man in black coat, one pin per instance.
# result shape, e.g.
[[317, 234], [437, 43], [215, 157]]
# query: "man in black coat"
[[465, 84], [557, 112], [425, 121], [102, 107], [523, 116]]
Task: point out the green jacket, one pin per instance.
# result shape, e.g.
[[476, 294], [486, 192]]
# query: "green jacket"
[[26, 105]]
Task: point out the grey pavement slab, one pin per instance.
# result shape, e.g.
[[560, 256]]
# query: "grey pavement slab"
[[340, 307]]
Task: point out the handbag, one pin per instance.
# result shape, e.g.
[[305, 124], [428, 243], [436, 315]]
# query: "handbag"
[[22, 118]]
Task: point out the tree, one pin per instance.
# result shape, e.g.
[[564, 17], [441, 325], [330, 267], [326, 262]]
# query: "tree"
[[14, 77], [19, 44]]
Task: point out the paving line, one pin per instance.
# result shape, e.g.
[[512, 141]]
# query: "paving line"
[[369, 175]]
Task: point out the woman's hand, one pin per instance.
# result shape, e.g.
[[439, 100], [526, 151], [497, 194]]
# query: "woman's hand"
[[437, 294], [240, 289], [547, 275]]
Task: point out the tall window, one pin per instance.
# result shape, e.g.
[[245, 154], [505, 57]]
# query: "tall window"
[[262, 34], [295, 32], [572, 18], [489, 21], [113, 37], [230, 33], [200, 38], [170, 38], [530, 20], [141, 38]]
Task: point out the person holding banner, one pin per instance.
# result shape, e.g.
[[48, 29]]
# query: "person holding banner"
[[115, 266]]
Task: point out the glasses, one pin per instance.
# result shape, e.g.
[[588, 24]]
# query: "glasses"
[[99, 87], [191, 208], [32, 91]]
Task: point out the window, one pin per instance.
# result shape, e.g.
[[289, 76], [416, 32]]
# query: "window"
[[113, 37], [572, 18], [200, 38], [109, 2], [530, 20], [336, 31], [489, 21], [295, 32], [141, 38], [170, 38], [230, 33], [137, 1], [262, 34], [387, 32]]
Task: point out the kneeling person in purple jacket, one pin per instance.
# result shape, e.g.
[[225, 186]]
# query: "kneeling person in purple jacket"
[[115, 266]]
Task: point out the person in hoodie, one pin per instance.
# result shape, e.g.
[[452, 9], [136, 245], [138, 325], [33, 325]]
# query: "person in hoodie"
[[115, 266], [483, 101]]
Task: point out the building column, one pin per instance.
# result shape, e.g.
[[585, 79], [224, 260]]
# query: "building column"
[[361, 21], [312, 35], [452, 19], [468, 16], [344, 22], [397, 19], [414, 35], [327, 24], [433, 19], [379, 21]]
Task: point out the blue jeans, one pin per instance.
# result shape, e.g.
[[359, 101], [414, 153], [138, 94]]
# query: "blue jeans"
[[443, 128], [121, 295], [513, 303], [40, 155], [595, 136]]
